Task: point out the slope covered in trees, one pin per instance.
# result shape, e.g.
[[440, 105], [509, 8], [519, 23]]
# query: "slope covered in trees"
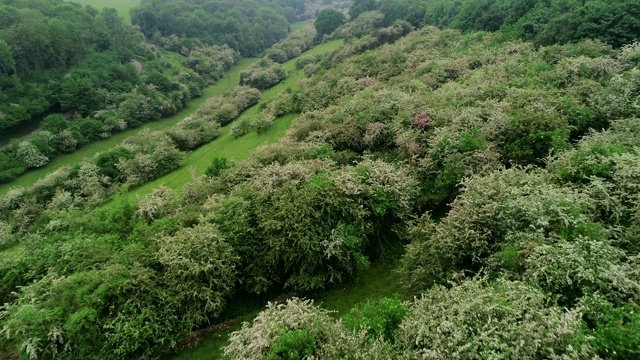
[[544, 22], [508, 173], [68, 68]]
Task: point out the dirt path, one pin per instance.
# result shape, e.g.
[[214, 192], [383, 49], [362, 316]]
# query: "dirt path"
[[138, 65], [33, 132]]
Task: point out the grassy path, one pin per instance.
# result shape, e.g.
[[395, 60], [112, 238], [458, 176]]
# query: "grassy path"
[[300, 24], [88, 151]]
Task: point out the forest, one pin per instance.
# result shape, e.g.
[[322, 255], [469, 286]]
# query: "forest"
[[485, 151]]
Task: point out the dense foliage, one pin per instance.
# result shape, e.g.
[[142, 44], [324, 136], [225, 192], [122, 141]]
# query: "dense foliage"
[[551, 226], [543, 22], [327, 21], [292, 46], [510, 175], [42, 40]]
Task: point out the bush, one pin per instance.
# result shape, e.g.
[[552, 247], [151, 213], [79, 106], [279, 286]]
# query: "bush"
[[218, 165], [107, 162], [530, 137], [295, 44], [616, 329], [192, 132], [6, 235], [281, 104], [200, 271], [379, 319], [497, 320], [65, 141], [263, 74], [161, 202], [55, 123], [30, 156], [263, 121], [571, 270], [155, 155], [244, 97], [241, 127], [293, 330], [91, 313], [303, 61], [511, 209]]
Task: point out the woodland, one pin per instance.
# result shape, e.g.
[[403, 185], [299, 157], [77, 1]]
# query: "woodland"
[[485, 151]]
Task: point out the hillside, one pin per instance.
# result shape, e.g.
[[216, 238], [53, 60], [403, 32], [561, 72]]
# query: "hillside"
[[67, 79], [451, 193], [88, 151]]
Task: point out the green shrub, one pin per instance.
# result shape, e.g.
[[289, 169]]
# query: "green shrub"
[[504, 209], [571, 270], [218, 165], [241, 127], [293, 345], [263, 74], [379, 319], [107, 162], [491, 320], [288, 331], [262, 122], [616, 329]]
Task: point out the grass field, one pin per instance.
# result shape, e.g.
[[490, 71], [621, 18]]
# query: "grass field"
[[123, 6], [30, 177], [300, 24]]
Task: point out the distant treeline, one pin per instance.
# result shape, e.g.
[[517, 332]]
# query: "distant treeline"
[[249, 26], [543, 22]]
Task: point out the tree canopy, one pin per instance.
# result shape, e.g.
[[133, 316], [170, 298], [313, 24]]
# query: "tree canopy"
[[327, 21]]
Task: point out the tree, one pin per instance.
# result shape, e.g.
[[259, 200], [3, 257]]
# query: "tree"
[[79, 93], [7, 64], [200, 269], [360, 6], [327, 21], [295, 330], [55, 123], [30, 156]]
